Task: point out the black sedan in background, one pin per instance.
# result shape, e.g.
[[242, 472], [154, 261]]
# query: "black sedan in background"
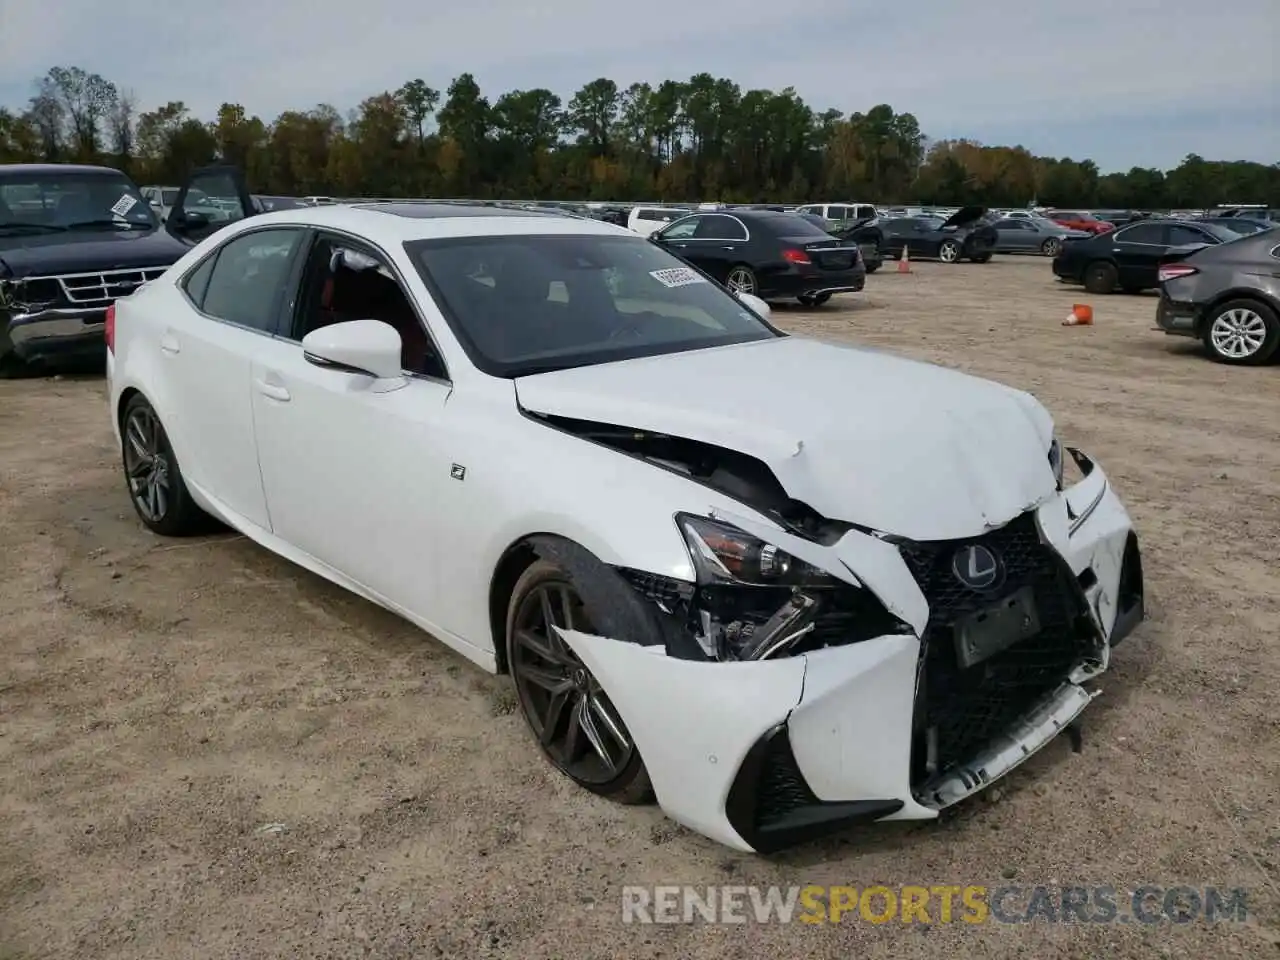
[[1227, 295], [773, 255], [965, 235], [1130, 258]]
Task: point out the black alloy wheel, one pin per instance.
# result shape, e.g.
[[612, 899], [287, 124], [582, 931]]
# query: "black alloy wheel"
[[570, 714], [156, 487]]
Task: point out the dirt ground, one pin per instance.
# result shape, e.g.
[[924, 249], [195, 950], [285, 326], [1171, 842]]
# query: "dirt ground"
[[161, 703]]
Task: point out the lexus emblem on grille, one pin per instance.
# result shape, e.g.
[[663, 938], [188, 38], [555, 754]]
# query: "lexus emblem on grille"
[[976, 567]]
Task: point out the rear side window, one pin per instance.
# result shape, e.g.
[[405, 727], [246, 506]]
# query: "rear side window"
[[248, 280], [1149, 233], [720, 227]]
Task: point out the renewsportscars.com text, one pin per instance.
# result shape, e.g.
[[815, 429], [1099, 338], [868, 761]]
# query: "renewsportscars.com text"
[[936, 903]]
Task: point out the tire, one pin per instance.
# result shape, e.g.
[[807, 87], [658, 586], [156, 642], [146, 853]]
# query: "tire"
[[1100, 277], [742, 279], [981, 258], [624, 779], [813, 299], [1051, 247], [949, 251], [1242, 333], [152, 476], [874, 266]]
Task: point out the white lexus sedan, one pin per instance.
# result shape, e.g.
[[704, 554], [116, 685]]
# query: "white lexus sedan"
[[785, 586]]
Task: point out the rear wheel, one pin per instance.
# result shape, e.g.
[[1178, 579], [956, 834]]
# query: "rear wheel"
[[1100, 277], [741, 279], [156, 488], [1051, 247], [575, 723], [949, 251], [1243, 332]]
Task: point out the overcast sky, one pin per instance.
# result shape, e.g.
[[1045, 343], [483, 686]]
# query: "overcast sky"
[[1126, 82]]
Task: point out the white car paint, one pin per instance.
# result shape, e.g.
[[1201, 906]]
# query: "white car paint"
[[356, 478]]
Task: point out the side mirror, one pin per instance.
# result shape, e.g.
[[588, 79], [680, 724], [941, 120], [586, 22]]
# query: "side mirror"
[[370, 347], [756, 305]]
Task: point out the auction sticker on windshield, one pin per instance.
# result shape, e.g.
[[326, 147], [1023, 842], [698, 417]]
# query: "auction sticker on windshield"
[[123, 205], [677, 277]]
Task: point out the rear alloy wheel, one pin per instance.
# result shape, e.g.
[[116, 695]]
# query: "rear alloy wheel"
[[156, 488], [1242, 332], [949, 251], [1100, 277], [576, 724], [741, 280], [1051, 247], [813, 299]]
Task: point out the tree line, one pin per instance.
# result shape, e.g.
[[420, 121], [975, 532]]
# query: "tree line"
[[704, 138]]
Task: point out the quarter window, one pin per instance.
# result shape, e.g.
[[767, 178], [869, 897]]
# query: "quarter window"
[[248, 280], [197, 281]]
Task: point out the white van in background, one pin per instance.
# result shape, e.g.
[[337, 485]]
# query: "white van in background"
[[645, 220]]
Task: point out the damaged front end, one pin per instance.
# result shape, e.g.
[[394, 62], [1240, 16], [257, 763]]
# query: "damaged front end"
[[817, 674]]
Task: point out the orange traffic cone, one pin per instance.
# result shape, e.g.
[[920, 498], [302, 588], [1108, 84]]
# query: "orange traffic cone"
[[904, 262], [1081, 316]]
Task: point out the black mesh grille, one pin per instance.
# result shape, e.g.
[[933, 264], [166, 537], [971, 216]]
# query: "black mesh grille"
[[966, 708], [782, 788], [664, 590]]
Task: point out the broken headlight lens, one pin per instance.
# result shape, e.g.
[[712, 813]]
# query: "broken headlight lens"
[[1056, 463], [722, 553]]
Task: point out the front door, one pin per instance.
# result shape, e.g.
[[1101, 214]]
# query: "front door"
[[354, 466], [210, 199]]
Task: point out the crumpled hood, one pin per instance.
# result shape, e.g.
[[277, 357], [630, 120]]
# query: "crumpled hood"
[[86, 251], [903, 447]]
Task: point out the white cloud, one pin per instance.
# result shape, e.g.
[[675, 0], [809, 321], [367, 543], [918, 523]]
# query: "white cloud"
[[982, 65]]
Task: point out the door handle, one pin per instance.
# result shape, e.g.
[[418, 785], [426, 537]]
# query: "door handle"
[[169, 344], [273, 391]]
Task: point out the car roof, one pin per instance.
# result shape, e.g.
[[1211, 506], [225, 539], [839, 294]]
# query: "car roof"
[[404, 222]]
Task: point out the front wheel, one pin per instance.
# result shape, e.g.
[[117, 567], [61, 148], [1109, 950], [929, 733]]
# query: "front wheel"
[[156, 488], [575, 723], [949, 251], [1243, 332], [741, 279], [1051, 247]]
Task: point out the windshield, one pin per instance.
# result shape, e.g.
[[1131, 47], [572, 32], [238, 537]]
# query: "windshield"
[[57, 200], [531, 304]]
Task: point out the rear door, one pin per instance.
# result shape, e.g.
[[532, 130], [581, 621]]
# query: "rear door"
[[222, 185], [234, 298]]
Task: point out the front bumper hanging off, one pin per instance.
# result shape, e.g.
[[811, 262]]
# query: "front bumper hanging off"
[[764, 754]]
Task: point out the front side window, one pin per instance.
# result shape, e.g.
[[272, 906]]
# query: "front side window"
[[681, 229], [249, 277], [59, 201], [529, 304]]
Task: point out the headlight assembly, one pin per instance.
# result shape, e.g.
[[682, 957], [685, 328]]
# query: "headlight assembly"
[[722, 553]]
